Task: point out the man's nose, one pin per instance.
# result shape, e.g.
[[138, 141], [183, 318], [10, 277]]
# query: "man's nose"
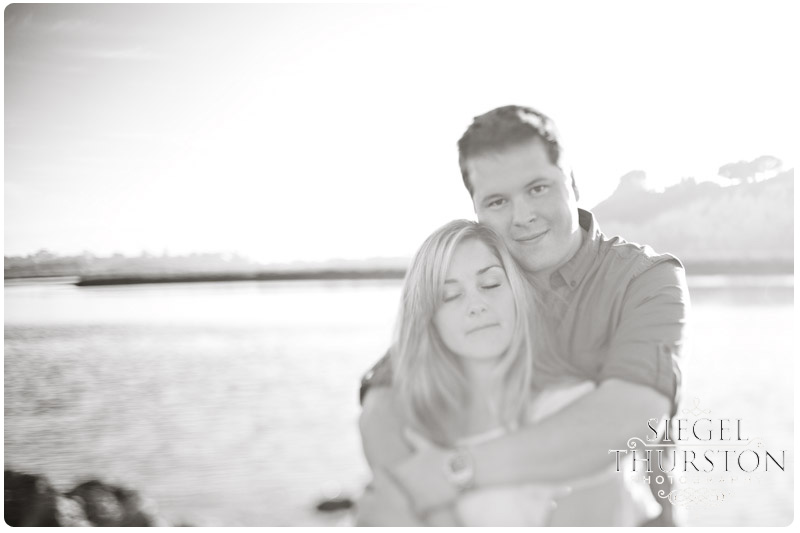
[[524, 213]]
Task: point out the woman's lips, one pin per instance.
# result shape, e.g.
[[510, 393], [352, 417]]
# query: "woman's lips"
[[479, 328]]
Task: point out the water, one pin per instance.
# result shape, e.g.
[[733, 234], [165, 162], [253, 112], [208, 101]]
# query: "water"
[[236, 403]]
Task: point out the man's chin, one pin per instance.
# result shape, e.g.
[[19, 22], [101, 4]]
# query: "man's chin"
[[530, 268], [534, 270]]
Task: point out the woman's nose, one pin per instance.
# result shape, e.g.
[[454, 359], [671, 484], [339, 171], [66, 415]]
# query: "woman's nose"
[[477, 307]]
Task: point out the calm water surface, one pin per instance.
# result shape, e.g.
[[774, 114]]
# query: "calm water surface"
[[236, 403]]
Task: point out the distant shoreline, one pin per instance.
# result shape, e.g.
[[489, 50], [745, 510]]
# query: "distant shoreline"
[[734, 268], [692, 269], [322, 275]]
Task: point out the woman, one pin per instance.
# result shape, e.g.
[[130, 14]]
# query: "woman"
[[462, 359]]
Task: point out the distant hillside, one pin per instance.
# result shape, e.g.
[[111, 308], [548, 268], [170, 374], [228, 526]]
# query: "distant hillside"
[[704, 222], [745, 228]]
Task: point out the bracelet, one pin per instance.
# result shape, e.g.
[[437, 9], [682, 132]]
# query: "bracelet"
[[459, 469]]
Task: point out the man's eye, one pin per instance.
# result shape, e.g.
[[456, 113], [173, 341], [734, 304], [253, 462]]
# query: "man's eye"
[[492, 286], [539, 189], [496, 203]]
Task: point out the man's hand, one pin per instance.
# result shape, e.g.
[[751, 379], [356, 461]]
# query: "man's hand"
[[569, 444], [422, 475]]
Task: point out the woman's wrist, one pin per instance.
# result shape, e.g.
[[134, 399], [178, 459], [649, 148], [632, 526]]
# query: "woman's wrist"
[[459, 469]]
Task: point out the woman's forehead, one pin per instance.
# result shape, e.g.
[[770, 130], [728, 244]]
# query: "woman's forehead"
[[472, 257]]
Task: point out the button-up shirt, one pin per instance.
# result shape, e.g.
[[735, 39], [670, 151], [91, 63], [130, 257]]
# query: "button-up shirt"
[[614, 310]]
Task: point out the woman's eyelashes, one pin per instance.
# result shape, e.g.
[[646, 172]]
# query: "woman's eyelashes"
[[492, 280], [486, 285], [450, 297]]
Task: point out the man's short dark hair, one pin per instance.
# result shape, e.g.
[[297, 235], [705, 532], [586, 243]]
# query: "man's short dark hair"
[[503, 128]]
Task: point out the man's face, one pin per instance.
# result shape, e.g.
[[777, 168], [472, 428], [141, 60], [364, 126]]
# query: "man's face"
[[529, 201]]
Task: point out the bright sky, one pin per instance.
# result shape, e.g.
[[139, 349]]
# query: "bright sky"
[[309, 132]]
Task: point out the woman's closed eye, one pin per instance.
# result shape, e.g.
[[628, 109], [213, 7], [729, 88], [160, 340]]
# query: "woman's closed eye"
[[491, 280], [449, 297]]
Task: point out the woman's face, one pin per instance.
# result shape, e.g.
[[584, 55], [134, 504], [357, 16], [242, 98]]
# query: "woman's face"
[[476, 313]]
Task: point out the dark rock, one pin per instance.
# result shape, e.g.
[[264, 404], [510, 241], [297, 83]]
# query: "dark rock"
[[70, 513], [335, 504], [30, 500], [111, 506]]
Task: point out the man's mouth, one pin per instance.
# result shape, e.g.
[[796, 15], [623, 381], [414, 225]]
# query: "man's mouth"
[[479, 328], [533, 237]]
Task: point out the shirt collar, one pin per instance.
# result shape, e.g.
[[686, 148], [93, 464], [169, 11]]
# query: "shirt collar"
[[573, 271]]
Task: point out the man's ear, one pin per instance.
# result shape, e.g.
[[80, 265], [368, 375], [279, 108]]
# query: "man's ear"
[[575, 186]]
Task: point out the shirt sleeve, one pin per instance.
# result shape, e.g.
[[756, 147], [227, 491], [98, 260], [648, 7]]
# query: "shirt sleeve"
[[380, 375], [649, 339]]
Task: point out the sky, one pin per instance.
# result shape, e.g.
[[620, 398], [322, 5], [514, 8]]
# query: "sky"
[[312, 132]]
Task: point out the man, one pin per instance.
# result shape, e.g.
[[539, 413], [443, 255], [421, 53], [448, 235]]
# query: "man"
[[617, 313]]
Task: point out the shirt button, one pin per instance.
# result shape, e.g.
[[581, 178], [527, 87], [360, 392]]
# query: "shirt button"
[[572, 283]]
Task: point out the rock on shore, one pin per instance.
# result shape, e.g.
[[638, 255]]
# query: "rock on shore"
[[30, 500]]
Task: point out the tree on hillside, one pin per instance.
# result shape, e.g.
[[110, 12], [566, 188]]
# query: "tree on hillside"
[[737, 172], [749, 171], [633, 180], [765, 164]]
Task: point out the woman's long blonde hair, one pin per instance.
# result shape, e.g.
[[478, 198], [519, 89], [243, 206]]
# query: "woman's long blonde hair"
[[429, 378]]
